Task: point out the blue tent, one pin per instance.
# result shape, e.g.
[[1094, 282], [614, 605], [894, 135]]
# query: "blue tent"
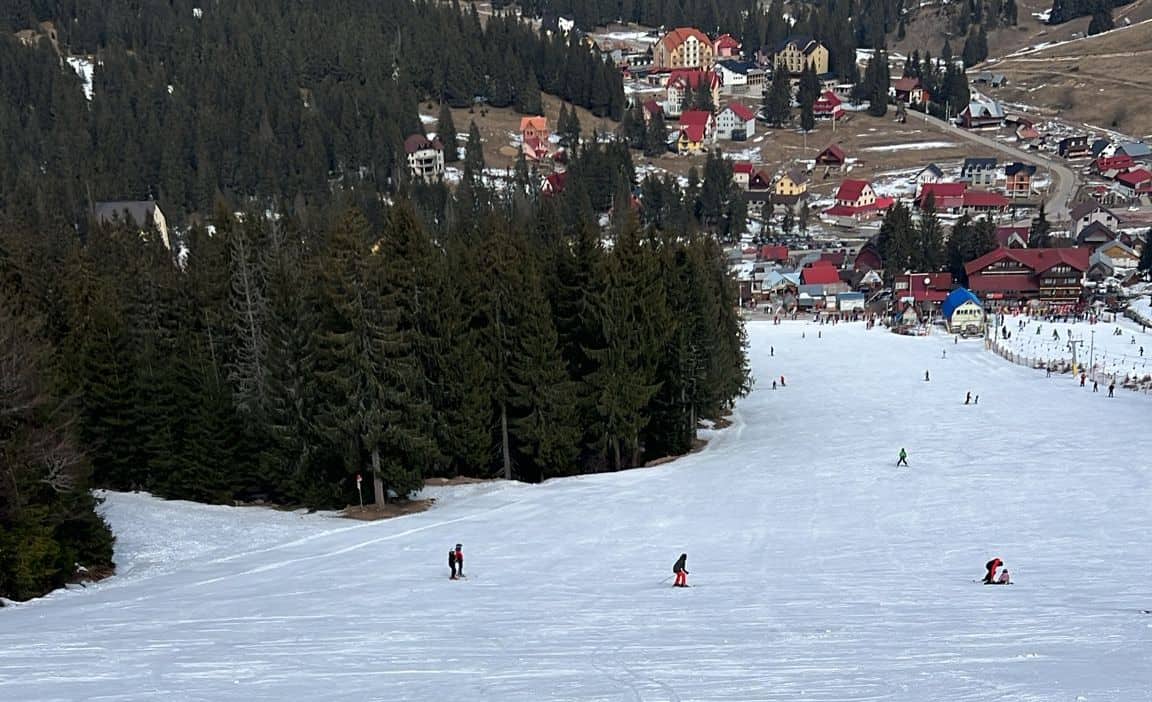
[[956, 298]]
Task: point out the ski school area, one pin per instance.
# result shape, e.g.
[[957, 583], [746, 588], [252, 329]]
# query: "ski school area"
[[817, 569]]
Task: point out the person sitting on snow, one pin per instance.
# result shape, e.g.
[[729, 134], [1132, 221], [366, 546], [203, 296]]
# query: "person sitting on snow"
[[1004, 579]]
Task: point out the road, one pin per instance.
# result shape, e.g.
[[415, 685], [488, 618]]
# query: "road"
[[1064, 180]]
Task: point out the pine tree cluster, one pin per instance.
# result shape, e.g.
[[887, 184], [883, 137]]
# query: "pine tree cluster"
[[255, 99]]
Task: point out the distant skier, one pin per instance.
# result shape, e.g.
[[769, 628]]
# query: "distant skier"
[[926, 377], [771, 350], [1004, 578], [1083, 377], [773, 384], [459, 553], [782, 383], [976, 400], [992, 565], [968, 398], [903, 460], [681, 571], [452, 564], [943, 353], [1112, 389], [1095, 386]]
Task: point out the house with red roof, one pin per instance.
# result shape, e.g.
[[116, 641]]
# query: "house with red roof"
[[697, 130], [534, 135], [554, 183], [1112, 166], [983, 202], [856, 199], [1134, 183], [832, 155], [652, 108], [683, 82], [725, 46], [820, 272], [742, 173], [1019, 275], [683, 47], [868, 258], [909, 91], [949, 197], [922, 288], [773, 254], [736, 122], [1013, 236], [828, 106]]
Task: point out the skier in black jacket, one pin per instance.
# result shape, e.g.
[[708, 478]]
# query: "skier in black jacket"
[[681, 571]]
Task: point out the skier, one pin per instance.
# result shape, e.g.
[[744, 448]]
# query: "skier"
[[1083, 377], [459, 553], [992, 565], [903, 460], [968, 398], [1095, 386], [1112, 388], [782, 383], [1004, 578], [771, 350], [452, 564], [681, 571], [976, 400], [926, 376], [943, 353], [773, 384]]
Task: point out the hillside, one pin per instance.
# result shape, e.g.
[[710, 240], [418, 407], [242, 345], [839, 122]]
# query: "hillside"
[[819, 570]]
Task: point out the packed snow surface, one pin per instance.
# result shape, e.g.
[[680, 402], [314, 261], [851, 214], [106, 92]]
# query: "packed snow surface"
[[912, 146], [820, 571]]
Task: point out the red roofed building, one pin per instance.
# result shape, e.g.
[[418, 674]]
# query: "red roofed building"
[[725, 46], [651, 109], [683, 47], [554, 183], [831, 156], [820, 273], [949, 197], [828, 106], [982, 201], [736, 122], [922, 288], [1112, 166], [683, 82], [1017, 275], [909, 91], [857, 199], [1134, 183], [775, 254], [697, 127], [1013, 237], [742, 173], [868, 258]]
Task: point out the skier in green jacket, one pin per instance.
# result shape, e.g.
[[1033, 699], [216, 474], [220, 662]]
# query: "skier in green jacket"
[[903, 458]]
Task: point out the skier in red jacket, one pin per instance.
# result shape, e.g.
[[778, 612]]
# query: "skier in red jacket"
[[992, 565], [681, 571]]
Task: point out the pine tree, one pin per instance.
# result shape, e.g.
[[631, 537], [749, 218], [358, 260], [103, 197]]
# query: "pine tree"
[[778, 99], [656, 136], [473, 156], [930, 234], [1038, 237], [446, 130], [1145, 264]]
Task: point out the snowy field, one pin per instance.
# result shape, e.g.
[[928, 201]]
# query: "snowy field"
[[1124, 354], [820, 571]]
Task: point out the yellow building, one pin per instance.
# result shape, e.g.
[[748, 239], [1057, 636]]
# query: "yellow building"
[[796, 53], [794, 183], [683, 47]]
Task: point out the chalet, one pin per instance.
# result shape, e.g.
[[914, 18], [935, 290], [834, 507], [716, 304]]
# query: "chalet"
[[1135, 150], [682, 83], [909, 91], [795, 53], [1102, 147], [1073, 147], [983, 202], [948, 197], [760, 180], [993, 80], [741, 173], [425, 158], [1019, 275], [1123, 256], [740, 78], [1018, 179], [1013, 236], [758, 201], [868, 258], [697, 130], [683, 47], [736, 122], [534, 128], [923, 289], [1100, 266], [1095, 235], [790, 187], [833, 155], [867, 280], [828, 106], [819, 273], [1088, 212], [963, 311], [145, 214], [979, 172], [1134, 183], [1112, 166], [856, 199], [554, 183], [929, 174], [725, 46], [981, 111], [773, 254]]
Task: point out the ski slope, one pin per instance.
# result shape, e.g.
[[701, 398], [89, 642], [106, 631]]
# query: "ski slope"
[[820, 571]]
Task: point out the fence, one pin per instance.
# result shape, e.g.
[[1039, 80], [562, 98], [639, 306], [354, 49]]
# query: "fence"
[[1138, 379]]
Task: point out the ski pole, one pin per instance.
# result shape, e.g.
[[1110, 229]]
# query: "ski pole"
[[665, 580]]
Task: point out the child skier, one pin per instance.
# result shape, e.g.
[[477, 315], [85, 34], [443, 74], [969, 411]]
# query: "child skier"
[[903, 458], [459, 554], [452, 564], [1004, 579], [681, 571], [992, 565]]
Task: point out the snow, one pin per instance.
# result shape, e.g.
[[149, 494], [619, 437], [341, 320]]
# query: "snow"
[[820, 571], [1112, 354], [428, 119], [83, 67], [912, 146]]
